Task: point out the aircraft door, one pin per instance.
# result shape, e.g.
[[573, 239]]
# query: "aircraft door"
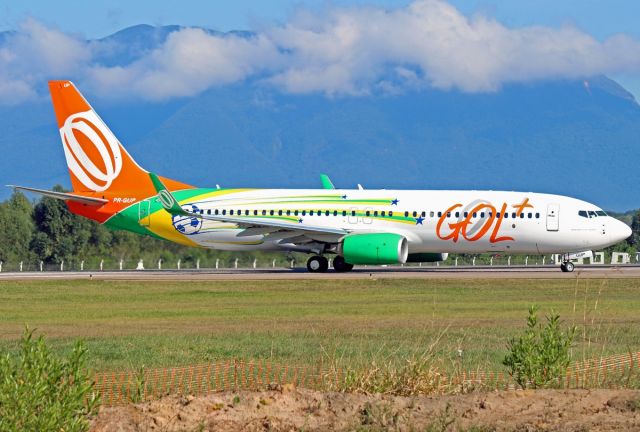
[[144, 213], [553, 217]]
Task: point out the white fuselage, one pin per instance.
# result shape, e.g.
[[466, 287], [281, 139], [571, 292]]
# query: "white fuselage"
[[431, 221]]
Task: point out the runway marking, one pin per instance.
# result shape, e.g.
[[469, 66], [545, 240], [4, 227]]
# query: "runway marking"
[[600, 272]]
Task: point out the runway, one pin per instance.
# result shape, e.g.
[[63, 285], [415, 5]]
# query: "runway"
[[513, 272]]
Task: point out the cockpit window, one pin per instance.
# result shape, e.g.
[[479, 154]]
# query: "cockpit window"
[[592, 213], [601, 213], [583, 213]]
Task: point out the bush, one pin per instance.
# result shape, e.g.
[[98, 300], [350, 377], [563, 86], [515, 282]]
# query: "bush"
[[541, 356], [40, 392]]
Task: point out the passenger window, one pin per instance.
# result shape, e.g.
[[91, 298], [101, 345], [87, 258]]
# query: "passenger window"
[[482, 215], [498, 215], [382, 213], [279, 212], [375, 213], [439, 214], [431, 214], [506, 215], [513, 215], [353, 212], [529, 215], [295, 212], [457, 214], [406, 214], [310, 212], [522, 215], [344, 212], [424, 214], [224, 212], [335, 212], [208, 211], [216, 212], [368, 213], [448, 214], [264, 212], [271, 213], [415, 214], [475, 214], [304, 212], [537, 215], [390, 213], [231, 212], [288, 212], [327, 213]]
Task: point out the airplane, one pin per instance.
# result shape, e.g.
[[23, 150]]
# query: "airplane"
[[356, 226]]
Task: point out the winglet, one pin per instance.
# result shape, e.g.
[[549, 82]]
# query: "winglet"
[[168, 201], [326, 182]]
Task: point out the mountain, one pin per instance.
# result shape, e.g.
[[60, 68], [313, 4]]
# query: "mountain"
[[578, 138]]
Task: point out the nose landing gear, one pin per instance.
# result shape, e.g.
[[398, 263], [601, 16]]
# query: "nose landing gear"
[[567, 266]]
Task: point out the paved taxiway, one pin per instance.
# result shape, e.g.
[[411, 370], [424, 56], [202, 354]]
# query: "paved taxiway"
[[549, 272]]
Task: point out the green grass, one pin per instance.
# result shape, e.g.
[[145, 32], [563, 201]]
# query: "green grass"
[[130, 324]]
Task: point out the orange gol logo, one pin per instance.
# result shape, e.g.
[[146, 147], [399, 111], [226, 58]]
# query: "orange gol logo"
[[470, 232]]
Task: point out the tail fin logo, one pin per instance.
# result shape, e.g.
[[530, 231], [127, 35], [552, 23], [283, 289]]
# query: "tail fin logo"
[[93, 153]]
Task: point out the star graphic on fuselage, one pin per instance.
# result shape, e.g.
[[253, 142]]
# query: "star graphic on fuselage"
[[394, 201], [344, 197], [419, 220], [300, 220]]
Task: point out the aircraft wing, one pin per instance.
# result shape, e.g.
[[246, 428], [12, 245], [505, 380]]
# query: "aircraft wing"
[[64, 196], [286, 231]]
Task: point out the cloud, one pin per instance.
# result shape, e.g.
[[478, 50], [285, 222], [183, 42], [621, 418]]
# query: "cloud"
[[34, 54], [337, 51], [189, 62]]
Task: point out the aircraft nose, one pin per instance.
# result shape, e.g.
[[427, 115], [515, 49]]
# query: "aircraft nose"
[[619, 231]]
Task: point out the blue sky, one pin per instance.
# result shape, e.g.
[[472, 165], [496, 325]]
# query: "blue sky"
[[98, 18]]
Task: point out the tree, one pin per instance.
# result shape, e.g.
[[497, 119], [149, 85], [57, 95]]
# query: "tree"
[[16, 228], [635, 230]]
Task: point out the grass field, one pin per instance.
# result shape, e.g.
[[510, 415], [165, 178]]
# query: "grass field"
[[130, 324]]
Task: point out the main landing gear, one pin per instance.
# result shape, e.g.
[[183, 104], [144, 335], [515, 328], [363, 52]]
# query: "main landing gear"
[[567, 266], [319, 264], [340, 265]]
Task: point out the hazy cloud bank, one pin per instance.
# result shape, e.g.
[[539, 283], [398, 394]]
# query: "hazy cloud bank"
[[354, 50]]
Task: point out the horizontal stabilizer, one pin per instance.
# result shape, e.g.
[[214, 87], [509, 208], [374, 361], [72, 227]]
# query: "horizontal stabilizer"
[[64, 196]]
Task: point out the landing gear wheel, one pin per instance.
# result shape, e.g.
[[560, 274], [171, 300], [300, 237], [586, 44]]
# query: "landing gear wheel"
[[340, 265], [567, 266], [317, 264]]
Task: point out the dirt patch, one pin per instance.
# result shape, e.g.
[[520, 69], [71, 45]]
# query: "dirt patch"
[[291, 409]]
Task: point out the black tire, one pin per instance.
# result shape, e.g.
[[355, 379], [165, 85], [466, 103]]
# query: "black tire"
[[569, 266], [563, 268], [340, 265], [317, 264]]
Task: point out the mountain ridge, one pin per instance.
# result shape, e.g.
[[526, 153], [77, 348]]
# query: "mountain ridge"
[[573, 137]]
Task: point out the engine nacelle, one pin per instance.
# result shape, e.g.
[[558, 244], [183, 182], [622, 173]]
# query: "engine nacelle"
[[374, 248], [427, 257]]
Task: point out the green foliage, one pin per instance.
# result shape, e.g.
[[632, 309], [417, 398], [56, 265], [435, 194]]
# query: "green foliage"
[[16, 228], [635, 230], [40, 392], [541, 355]]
